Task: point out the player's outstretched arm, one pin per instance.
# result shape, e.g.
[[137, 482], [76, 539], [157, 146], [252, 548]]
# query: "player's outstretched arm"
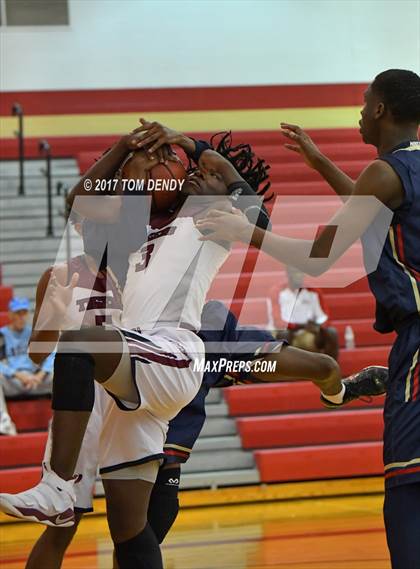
[[303, 144], [378, 182]]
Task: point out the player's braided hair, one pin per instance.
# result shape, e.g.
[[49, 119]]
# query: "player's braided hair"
[[253, 170], [400, 91]]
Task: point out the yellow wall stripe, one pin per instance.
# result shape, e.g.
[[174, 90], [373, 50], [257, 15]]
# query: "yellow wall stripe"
[[206, 121]]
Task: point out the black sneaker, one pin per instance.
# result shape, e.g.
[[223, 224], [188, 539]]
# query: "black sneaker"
[[369, 382]]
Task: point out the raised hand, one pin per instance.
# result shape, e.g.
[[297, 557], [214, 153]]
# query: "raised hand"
[[157, 138], [303, 144], [60, 295], [225, 226]]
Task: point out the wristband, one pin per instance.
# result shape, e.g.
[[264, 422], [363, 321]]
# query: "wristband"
[[200, 147]]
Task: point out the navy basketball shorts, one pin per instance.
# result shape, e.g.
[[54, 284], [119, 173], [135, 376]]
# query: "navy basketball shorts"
[[402, 410]]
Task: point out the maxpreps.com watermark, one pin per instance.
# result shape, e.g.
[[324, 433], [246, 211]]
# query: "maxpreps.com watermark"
[[132, 185], [224, 365]]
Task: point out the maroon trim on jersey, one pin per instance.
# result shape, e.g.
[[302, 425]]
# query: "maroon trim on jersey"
[[97, 303], [104, 281], [142, 349], [170, 230], [140, 354]]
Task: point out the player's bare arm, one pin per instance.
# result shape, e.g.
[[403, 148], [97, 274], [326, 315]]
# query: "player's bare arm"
[[303, 144], [378, 181]]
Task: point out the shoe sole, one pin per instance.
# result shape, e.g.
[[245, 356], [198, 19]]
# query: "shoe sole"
[[7, 508]]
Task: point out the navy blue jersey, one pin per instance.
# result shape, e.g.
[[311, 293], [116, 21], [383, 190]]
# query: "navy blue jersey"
[[223, 338], [396, 281]]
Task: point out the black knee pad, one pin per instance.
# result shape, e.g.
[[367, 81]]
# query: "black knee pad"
[[73, 385], [139, 552], [164, 503]]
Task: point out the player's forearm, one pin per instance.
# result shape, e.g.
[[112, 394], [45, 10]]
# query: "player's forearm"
[[311, 257], [342, 184], [103, 169]]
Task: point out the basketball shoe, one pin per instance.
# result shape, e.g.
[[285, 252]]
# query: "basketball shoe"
[[51, 502], [368, 382]]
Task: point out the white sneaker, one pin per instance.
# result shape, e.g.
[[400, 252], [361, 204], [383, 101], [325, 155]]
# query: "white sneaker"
[[51, 502], [7, 426]]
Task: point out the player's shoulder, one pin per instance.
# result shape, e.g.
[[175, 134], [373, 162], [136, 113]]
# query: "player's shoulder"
[[379, 179]]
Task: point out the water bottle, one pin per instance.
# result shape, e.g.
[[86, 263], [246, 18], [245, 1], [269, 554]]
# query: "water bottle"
[[349, 338]]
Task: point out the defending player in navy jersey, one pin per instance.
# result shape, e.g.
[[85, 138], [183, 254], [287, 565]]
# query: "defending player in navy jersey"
[[390, 121]]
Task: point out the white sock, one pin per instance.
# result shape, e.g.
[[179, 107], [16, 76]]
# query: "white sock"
[[338, 397]]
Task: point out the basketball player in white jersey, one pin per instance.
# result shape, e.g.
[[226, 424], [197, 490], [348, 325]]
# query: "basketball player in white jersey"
[[150, 371]]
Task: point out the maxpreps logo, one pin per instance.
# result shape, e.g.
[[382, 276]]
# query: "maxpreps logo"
[[224, 366]]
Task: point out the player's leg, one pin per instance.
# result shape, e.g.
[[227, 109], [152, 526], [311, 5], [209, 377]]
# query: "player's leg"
[[164, 504], [327, 341], [402, 450], [48, 552], [134, 540], [290, 364], [402, 523], [77, 364]]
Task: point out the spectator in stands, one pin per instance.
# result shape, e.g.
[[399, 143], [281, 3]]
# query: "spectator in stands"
[[19, 376], [299, 315]]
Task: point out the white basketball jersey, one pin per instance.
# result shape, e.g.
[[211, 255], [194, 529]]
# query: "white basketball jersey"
[[169, 277], [96, 298]]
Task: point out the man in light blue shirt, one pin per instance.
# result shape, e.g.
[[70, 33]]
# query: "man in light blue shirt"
[[18, 374]]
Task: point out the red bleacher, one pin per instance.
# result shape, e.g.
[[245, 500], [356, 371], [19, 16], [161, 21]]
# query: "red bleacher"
[[6, 293], [292, 429], [320, 462]]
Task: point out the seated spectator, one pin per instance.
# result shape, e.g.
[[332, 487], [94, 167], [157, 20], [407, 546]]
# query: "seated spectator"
[[19, 376], [300, 316]]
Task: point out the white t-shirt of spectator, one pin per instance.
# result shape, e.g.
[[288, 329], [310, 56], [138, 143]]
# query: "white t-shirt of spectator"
[[300, 306]]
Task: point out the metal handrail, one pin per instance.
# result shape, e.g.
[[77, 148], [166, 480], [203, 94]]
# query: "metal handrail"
[[45, 149], [18, 111]]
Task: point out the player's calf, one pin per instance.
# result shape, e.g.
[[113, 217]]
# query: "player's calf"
[[164, 503], [48, 552]]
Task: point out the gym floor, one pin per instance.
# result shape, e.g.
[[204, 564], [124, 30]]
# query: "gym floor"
[[317, 533]]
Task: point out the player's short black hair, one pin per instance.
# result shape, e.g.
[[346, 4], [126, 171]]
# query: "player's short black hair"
[[253, 170], [400, 92]]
